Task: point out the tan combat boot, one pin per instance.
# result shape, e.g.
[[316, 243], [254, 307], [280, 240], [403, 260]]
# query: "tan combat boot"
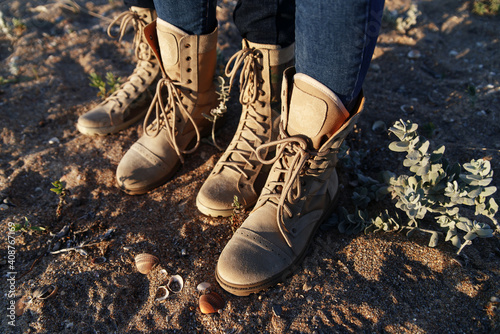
[[130, 102], [174, 121], [299, 193], [238, 172]]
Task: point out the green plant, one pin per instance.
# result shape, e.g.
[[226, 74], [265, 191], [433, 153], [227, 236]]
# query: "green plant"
[[106, 88], [238, 215], [5, 81], [402, 22], [61, 191], [27, 226], [486, 7], [221, 109], [440, 188], [435, 189]]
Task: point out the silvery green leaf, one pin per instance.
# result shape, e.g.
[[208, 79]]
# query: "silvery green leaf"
[[399, 146], [475, 180], [470, 235], [425, 146], [488, 191], [455, 240], [474, 192], [464, 225], [452, 211], [478, 167], [492, 207], [451, 233], [437, 154], [483, 231], [434, 239]]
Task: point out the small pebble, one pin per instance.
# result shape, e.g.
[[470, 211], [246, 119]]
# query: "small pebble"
[[4, 206], [414, 54], [453, 53], [54, 141], [495, 299], [306, 286], [379, 127]]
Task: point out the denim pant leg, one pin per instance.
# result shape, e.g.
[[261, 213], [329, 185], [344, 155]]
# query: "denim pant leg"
[[266, 21], [196, 17], [140, 3], [335, 42]]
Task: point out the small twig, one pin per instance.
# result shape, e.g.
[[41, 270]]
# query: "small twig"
[[65, 250]]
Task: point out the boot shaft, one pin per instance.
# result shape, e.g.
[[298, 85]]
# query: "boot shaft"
[[189, 60]]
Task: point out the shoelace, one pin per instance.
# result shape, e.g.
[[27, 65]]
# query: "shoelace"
[[165, 116], [139, 24], [247, 60], [295, 161], [142, 53]]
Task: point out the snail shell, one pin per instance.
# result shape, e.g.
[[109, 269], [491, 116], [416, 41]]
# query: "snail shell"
[[145, 262], [211, 303]]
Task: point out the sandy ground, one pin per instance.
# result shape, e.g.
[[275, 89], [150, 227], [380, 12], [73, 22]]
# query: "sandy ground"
[[377, 283]]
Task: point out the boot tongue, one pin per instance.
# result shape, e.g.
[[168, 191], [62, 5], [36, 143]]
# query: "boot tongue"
[[315, 111]]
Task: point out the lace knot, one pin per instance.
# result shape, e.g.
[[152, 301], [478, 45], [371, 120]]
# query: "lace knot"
[[165, 115]]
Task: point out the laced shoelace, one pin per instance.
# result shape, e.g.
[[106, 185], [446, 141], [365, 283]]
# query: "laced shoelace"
[[141, 49], [165, 115], [139, 24], [295, 161], [247, 60]]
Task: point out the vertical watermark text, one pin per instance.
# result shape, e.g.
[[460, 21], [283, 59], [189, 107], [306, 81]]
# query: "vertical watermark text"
[[11, 275]]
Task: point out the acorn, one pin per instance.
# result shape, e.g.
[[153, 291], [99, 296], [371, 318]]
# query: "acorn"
[[211, 303]]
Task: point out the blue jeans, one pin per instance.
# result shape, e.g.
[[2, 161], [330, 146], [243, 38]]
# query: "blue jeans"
[[334, 39]]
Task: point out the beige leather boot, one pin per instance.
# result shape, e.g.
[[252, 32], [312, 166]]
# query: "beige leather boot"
[[300, 191], [131, 101], [238, 172], [174, 121]]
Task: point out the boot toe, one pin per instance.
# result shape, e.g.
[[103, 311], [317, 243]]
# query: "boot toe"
[[216, 196], [140, 170], [95, 118], [250, 263]]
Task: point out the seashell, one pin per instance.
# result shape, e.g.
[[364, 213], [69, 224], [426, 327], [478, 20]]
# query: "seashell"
[[161, 293], [21, 305], [175, 284], [145, 262], [211, 303], [45, 292], [204, 287]]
